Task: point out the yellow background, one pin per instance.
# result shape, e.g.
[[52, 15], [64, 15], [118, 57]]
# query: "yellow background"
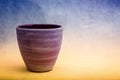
[[86, 60]]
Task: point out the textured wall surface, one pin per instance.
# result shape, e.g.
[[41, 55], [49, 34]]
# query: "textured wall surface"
[[16, 12], [82, 19]]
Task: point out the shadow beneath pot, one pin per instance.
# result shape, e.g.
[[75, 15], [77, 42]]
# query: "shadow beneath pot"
[[23, 69]]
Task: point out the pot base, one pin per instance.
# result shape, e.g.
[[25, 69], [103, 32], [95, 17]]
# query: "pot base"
[[39, 71], [40, 68]]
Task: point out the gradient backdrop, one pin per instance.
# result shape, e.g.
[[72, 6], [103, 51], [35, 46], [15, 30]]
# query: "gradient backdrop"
[[91, 42]]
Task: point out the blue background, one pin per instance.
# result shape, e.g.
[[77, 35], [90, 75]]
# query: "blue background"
[[81, 19]]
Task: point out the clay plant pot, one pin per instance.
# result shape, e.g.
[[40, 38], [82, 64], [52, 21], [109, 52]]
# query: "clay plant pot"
[[39, 45]]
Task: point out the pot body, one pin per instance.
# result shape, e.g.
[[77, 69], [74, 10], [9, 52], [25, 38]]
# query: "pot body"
[[39, 47]]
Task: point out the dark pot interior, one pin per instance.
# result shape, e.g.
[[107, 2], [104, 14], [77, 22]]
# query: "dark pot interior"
[[39, 26]]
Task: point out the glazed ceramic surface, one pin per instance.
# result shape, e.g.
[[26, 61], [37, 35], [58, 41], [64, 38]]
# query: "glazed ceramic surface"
[[39, 45]]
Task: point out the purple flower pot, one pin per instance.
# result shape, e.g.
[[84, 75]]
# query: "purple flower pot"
[[39, 45]]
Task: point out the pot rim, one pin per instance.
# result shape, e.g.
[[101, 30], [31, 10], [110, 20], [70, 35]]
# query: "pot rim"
[[48, 28]]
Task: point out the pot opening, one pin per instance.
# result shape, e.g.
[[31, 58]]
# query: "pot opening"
[[39, 26]]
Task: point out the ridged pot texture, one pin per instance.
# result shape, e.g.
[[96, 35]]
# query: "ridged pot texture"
[[39, 45]]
